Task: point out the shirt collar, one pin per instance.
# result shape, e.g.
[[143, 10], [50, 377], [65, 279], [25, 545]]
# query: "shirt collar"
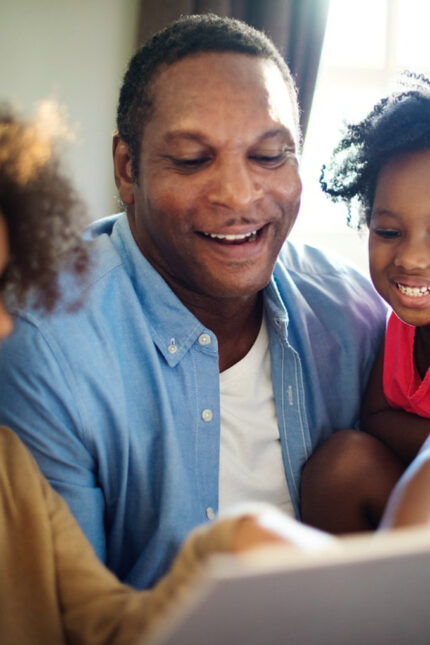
[[274, 305], [174, 328]]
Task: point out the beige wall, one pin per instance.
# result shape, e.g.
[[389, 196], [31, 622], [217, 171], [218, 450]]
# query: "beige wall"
[[75, 51]]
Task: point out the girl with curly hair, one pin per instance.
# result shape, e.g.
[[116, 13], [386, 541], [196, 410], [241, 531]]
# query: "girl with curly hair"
[[53, 588], [43, 214], [381, 171]]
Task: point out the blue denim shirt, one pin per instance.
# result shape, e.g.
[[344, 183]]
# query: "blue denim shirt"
[[119, 400]]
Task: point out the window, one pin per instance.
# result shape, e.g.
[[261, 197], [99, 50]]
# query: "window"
[[367, 44]]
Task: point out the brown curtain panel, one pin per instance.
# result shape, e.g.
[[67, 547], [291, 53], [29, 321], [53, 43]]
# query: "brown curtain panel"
[[296, 26]]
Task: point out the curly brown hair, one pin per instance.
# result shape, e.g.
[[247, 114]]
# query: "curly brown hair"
[[44, 215], [398, 123]]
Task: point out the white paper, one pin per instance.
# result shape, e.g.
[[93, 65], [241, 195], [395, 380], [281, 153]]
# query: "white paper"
[[372, 590]]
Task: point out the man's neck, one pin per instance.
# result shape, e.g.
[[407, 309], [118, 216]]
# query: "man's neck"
[[235, 323]]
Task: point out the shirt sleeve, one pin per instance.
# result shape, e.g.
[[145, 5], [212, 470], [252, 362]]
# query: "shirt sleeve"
[[100, 610], [37, 400], [49, 567]]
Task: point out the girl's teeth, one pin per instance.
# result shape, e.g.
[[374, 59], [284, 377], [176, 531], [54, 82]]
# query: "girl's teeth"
[[415, 292]]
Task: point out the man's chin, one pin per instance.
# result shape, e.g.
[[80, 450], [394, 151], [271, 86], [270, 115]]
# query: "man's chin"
[[236, 289]]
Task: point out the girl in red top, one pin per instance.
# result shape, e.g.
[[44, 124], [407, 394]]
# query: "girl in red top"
[[381, 169]]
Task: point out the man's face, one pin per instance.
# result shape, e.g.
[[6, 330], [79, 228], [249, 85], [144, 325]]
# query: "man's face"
[[218, 188]]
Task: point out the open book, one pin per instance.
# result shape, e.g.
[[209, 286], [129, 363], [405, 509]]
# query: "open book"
[[368, 590]]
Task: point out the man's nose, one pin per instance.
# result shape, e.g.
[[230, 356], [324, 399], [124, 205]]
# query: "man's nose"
[[234, 185], [413, 253]]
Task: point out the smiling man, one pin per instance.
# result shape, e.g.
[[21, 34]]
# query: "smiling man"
[[210, 357], [217, 189]]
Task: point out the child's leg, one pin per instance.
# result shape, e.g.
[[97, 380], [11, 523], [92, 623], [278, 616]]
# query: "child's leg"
[[347, 481]]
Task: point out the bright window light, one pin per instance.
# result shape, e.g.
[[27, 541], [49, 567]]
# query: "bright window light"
[[346, 24], [367, 44], [413, 37]]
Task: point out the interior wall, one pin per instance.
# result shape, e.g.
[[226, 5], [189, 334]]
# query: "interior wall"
[[75, 51]]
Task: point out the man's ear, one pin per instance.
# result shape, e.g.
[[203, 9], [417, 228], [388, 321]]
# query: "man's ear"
[[122, 170]]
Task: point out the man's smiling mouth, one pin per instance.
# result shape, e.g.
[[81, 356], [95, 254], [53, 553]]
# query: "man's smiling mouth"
[[230, 238]]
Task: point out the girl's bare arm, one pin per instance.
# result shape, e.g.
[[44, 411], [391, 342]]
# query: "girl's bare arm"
[[401, 431]]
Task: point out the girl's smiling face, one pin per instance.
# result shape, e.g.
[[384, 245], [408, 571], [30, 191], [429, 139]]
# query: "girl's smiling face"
[[399, 236]]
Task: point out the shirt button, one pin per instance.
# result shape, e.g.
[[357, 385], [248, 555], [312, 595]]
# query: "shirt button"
[[207, 415], [210, 513], [204, 339], [172, 349]]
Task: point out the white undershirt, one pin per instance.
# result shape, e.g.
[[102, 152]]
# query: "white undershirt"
[[251, 465]]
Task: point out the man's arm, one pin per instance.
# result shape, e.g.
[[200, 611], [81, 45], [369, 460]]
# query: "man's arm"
[[52, 579], [403, 432], [38, 402]]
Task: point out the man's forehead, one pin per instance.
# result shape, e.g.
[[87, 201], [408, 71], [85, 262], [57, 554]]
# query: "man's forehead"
[[225, 64], [200, 80]]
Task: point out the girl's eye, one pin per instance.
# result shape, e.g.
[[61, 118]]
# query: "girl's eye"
[[387, 233]]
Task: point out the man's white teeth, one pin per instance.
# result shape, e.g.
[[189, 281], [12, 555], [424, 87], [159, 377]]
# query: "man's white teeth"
[[250, 237], [415, 292]]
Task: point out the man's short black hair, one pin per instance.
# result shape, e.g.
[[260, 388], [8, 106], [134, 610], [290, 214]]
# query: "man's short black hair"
[[186, 36], [397, 124]]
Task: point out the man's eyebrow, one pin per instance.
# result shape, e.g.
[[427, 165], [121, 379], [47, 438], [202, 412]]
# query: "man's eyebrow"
[[190, 135], [176, 135], [280, 133]]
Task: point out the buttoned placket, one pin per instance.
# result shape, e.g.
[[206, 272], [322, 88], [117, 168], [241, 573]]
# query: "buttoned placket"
[[209, 423], [289, 395]]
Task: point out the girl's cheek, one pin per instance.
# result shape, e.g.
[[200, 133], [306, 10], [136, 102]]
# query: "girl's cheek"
[[6, 322]]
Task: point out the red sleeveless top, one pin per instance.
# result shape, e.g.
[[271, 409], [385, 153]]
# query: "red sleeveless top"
[[403, 386]]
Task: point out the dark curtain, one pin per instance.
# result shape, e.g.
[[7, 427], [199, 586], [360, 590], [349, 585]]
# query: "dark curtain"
[[296, 26]]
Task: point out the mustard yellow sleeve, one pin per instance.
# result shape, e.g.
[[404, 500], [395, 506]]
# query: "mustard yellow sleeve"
[[97, 609], [53, 588], [29, 608]]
